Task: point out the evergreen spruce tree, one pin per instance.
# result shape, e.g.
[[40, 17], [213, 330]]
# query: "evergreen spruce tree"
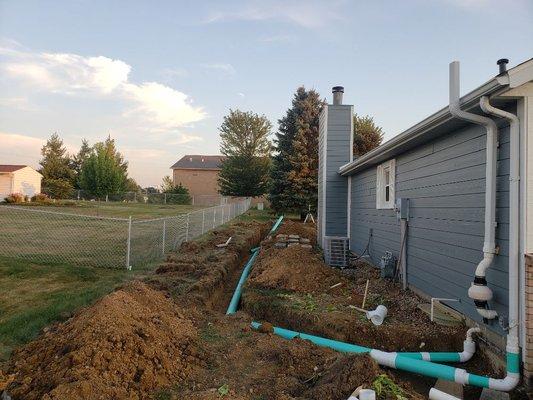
[[367, 135], [58, 176], [295, 164], [245, 143], [78, 160]]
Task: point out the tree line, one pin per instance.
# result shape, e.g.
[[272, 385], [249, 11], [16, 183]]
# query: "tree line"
[[99, 169], [285, 168]]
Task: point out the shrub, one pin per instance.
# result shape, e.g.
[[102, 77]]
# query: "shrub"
[[15, 198], [58, 188], [41, 198]]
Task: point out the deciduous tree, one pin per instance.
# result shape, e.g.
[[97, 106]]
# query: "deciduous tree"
[[104, 172], [245, 143]]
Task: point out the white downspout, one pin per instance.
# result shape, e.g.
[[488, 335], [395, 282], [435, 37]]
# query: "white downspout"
[[514, 221], [479, 291]]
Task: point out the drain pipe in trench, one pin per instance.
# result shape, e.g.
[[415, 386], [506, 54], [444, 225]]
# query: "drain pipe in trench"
[[234, 303]]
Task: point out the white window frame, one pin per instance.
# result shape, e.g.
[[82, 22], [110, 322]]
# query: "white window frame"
[[381, 185]]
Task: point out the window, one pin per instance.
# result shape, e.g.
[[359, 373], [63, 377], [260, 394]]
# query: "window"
[[386, 177]]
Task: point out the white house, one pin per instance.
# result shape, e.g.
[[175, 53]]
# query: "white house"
[[19, 179]]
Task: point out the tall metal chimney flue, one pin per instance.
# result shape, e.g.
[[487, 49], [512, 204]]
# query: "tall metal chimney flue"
[[338, 91], [502, 63]]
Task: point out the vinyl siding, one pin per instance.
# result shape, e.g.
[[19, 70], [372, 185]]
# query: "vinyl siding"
[[445, 182], [339, 125]]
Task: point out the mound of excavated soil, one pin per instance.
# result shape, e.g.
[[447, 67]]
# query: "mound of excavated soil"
[[289, 227], [123, 347], [294, 269]]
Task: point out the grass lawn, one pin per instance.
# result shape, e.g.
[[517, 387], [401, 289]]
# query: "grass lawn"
[[115, 209], [33, 296], [36, 294]]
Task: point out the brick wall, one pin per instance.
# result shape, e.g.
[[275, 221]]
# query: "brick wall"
[[528, 364], [200, 182]]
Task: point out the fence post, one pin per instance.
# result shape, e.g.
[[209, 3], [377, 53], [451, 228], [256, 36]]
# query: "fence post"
[[222, 219], [192, 200], [106, 197], [187, 231], [214, 216], [78, 195], [165, 201], [135, 197], [164, 235], [128, 245], [203, 221]]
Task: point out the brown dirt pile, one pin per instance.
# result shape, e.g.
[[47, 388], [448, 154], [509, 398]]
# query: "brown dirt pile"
[[294, 269], [289, 227], [123, 347]]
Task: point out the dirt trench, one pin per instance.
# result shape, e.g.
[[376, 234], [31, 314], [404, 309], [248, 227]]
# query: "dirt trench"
[[168, 338]]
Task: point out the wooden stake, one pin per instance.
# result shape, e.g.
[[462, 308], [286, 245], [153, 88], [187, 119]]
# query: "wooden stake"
[[366, 292]]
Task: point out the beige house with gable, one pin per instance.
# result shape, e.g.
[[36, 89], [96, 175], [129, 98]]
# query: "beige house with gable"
[[19, 179]]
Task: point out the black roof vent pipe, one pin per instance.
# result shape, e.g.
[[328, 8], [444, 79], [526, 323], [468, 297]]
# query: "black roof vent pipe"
[[502, 63], [338, 91]]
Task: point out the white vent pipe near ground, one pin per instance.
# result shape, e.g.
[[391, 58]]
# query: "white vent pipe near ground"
[[479, 291]]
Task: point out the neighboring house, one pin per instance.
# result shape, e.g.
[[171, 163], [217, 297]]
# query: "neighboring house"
[[199, 174], [440, 166], [19, 179]]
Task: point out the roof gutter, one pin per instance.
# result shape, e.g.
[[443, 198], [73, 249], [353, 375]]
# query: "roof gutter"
[[469, 101]]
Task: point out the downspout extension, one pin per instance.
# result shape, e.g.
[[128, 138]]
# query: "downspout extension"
[[479, 291]]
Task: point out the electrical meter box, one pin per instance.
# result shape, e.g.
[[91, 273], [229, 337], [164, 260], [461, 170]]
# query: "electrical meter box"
[[402, 208]]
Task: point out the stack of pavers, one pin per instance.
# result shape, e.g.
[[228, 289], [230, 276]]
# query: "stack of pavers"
[[283, 241]]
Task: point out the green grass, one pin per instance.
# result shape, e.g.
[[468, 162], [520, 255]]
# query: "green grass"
[[33, 296], [114, 209]]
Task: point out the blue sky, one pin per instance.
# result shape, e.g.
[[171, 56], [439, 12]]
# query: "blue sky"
[[160, 75]]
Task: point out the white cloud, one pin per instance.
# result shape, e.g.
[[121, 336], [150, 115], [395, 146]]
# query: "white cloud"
[[304, 13], [167, 107], [220, 67], [241, 94], [154, 106]]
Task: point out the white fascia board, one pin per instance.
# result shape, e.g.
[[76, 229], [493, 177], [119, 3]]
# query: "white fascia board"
[[514, 78]]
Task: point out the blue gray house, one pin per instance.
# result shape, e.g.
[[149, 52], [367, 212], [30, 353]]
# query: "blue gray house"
[[451, 199]]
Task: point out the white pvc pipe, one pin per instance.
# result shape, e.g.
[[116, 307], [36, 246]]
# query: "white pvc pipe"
[[436, 394], [514, 220], [479, 291]]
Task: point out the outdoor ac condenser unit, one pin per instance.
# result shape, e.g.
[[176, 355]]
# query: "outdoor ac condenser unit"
[[336, 251]]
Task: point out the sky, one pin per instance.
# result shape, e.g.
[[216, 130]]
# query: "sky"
[[159, 76]]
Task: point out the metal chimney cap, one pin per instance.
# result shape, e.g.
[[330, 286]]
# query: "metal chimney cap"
[[502, 61], [337, 89]]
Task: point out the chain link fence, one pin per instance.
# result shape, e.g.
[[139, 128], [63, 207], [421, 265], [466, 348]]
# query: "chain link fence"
[[50, 237], [153, 198]]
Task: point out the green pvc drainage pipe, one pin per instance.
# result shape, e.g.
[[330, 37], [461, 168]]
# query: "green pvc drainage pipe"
[[276, 226], [234, 303], [422, 367]]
